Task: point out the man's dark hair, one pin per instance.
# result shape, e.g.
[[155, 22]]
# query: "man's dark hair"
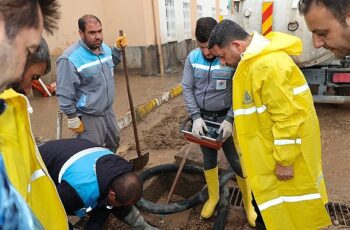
[[225, 32], [85, 19], [20, 14], [339, 8], [51, 14], [42, 55], [127, 187], [204, 27]]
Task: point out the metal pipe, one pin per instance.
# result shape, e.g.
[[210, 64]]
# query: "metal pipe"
[[173, 186], [59, 125], [157, 30], [331, 99]]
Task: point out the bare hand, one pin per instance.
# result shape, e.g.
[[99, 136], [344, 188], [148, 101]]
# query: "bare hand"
[[284, 172]]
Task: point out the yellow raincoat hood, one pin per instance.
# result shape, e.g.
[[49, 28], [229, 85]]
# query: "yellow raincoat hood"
[[276, 122], [274, 41]]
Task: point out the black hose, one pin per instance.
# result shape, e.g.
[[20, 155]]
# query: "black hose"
[[222, 210], [181, 205]]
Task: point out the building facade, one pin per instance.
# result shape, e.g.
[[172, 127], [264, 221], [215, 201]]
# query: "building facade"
[[160, 32]]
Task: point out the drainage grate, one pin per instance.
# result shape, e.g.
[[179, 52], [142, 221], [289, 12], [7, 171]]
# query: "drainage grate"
[[339, 213], [236, 197]]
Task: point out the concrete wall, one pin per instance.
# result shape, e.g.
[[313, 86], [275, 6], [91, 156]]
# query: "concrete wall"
[[136, 19]]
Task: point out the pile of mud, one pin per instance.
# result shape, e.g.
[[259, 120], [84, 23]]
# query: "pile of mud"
[[167, 133]]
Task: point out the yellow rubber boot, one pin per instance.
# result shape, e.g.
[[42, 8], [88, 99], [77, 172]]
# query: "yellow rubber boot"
[[247, 200], [212, 179]]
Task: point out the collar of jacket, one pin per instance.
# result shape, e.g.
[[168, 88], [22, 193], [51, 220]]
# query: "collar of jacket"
[[82, 43]]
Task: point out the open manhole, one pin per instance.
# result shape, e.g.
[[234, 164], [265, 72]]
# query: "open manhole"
[[339, 213], [157, 188]]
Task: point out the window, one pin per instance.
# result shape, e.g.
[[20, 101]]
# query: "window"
[[170, 19], [199, 11], [187, 20], [213, 12]]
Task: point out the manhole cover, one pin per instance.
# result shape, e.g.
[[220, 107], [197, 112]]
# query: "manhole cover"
[[339, 213]]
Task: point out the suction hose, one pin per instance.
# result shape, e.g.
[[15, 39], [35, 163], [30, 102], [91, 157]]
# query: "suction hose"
[[222, 210], [181, 205]]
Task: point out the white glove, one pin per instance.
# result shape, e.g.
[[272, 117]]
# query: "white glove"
[[197, 128], [75, 125], [226, 128]]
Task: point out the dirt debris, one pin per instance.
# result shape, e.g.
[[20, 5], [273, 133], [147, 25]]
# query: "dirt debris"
[[166, 134]]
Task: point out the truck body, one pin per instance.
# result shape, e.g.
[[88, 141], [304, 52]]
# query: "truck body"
[[328, 77]]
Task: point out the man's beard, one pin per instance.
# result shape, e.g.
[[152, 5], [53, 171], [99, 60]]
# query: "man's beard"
[[209, 59], [93, 46]]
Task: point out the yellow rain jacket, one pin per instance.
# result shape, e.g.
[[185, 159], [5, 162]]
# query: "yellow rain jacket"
[[276, 122], [24, 165]]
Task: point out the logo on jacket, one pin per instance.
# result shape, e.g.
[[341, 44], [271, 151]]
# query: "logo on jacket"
[[220, 84], [247, 99]]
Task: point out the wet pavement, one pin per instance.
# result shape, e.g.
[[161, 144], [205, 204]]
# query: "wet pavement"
[[143, 89]]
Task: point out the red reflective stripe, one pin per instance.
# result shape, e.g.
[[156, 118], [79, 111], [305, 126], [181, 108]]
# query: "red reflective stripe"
[[267, 13], [341, 78]]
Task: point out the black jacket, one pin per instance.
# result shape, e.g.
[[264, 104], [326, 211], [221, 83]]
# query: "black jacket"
[[56, 153]]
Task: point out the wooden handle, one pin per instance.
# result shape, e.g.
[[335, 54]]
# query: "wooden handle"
[[133, 117]]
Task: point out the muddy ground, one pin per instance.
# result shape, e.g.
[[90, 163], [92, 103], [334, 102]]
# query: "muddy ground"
[[159, 135]]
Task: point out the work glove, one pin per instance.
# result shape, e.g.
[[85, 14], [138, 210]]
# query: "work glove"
[[199, 127], [226, 129], [75, 124], [121, 42]]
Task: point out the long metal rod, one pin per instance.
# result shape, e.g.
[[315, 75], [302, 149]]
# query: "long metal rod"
[[59, 125], [173, 186]]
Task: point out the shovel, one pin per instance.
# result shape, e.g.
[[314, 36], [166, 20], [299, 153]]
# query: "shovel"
[[142, 159]]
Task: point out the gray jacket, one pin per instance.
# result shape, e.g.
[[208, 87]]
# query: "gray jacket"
[[85, 81], [206, 85]]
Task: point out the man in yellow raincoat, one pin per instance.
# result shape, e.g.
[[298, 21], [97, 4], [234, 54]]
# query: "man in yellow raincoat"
[[19, 37], [277, 127]]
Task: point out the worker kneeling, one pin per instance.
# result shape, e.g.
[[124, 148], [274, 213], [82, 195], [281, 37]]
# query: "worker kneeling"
[[90, 178]]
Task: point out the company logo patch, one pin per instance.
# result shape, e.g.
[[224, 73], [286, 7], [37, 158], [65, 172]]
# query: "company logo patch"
[[247, 99], [220, 84]]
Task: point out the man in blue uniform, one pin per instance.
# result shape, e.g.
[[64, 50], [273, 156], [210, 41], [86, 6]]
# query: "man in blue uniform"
[[90, 178], [85, 84]]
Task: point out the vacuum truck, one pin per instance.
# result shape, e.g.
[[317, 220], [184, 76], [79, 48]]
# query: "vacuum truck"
[[328, 77]]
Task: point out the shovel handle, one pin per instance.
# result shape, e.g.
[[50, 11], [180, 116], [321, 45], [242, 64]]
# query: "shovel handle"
[[133, 117]]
